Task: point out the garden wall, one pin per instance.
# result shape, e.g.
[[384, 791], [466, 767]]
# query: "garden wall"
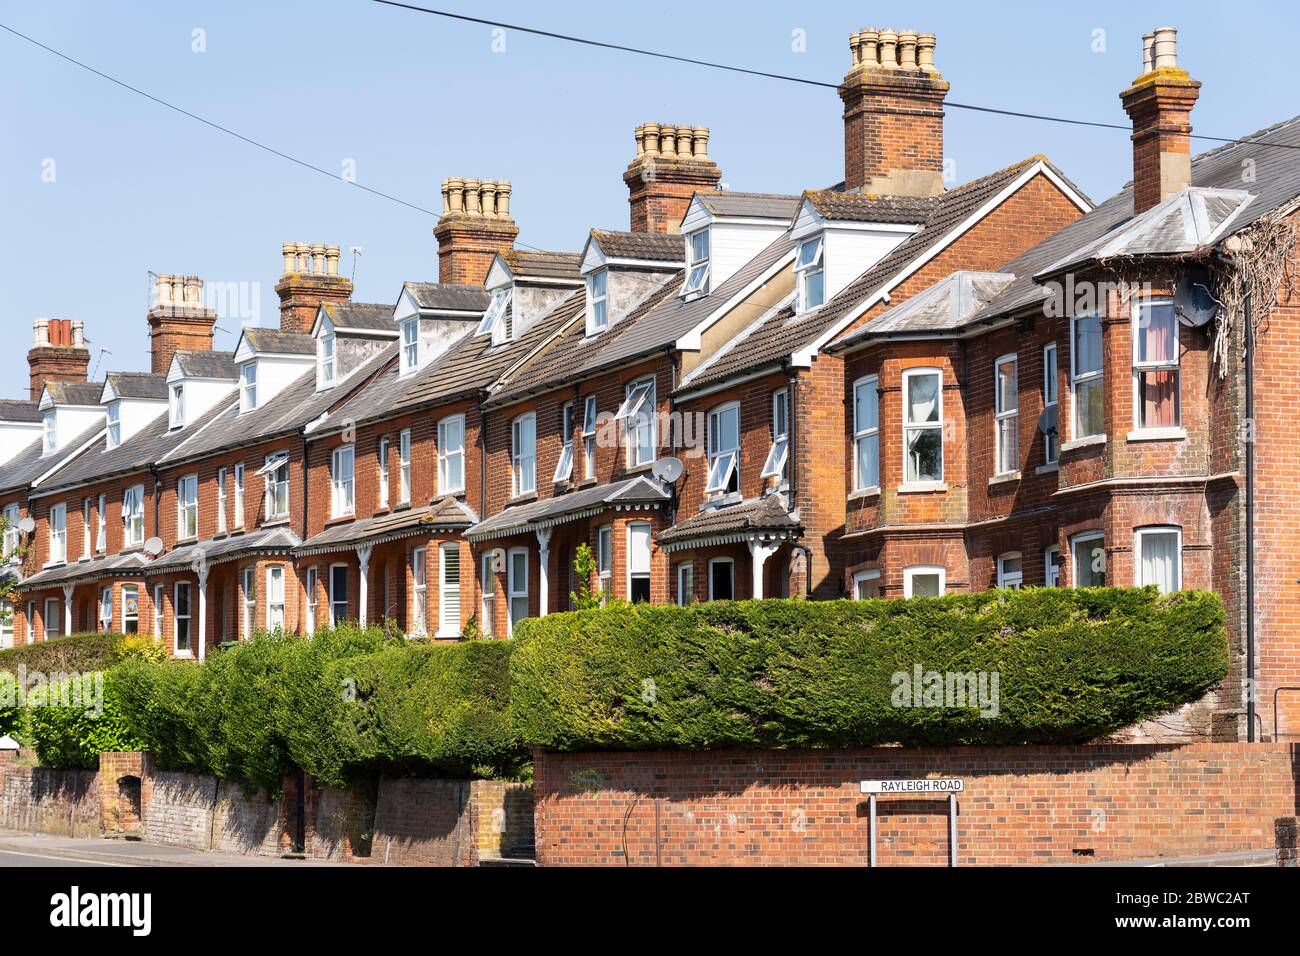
[[1022, 805]]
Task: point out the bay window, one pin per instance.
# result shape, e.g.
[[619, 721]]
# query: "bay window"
[[449, 590], [1011, 570], [1086, 377], [1155, 365], [722, 579], [1088, 555], [866, 434], [922, 426], [517, 586], [810, 275], [1006, 414], [311, 587], [638, 562], [249, 581], [275, 597], [338, 594], [866, 585], [182, 614], [724, 449], [523, 454], [1052, 567], [419, 592], [1159, 558], [604, 557], [924, 581], [451, 455], [105, 610], [685, 583]]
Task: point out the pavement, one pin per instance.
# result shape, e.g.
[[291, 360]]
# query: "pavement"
[[38, 849]]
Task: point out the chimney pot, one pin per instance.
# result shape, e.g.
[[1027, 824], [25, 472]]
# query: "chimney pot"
[[472, 187], [288, 250], [889, 49], [1148, 57], [456, 193], [78, 334], [489, 200], [672, 164], [57, 355], [869, 49], [925, 52], [42, 329], [1160, 104], [701, 142], [907, 50], [1165, 48], [332, 260], [652, 138]]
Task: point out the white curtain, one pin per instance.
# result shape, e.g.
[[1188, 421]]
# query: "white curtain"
[[1159, 560]]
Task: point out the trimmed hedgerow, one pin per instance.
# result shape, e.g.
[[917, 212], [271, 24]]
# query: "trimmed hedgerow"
[[77, 652], [75, 720], [1072, 665]]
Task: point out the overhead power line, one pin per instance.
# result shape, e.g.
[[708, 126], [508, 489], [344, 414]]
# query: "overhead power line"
[[787, 78]]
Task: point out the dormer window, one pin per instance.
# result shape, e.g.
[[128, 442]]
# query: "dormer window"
[[410, 344], [810, 275], [51, 432], [697, 263], [325, 360], [497, 318], [597, 301], [114, 437], [248, 387], [176, 406]]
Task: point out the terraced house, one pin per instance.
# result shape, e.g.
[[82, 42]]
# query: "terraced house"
[[891, 386]]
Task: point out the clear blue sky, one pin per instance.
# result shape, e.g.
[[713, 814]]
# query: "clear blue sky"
[[412, 98]]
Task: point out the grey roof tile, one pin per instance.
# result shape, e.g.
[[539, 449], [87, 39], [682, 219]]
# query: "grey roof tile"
[[29, 464], [75, 393], [749, 205], [361, 316], [437, 297], [279, 540], [207, 364], [864, 207], [141, 385], [947, 306], [276, 342], [130, 564], [762, 514], [18, 410], [568, 507], [642, 246], [529, 263], [446, 514]]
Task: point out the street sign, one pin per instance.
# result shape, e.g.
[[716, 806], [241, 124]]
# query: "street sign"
[[938, 785]]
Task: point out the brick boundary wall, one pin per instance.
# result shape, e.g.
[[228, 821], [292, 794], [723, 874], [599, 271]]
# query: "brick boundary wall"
[[40, 800], [1022, 805]]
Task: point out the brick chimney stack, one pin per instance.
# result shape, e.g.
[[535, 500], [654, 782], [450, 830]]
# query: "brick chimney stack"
[[1160, 104], [671, 164], [59, 354], [311, 276], [178, 320], [474, 227], [893, 114]]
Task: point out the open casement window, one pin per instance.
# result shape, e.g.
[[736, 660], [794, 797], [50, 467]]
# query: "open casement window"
[[410, 345], [724, 449], [342, 482], [523, 454], [637, 414], [564, 467], [589, 437], [248, 387], [517, 585], [866, 585], [187, 507], [1088, 555], [419, 592], [133, 516], [1086, 385], [1159, 553], [1155, 365], [774, 466], [1011, 570], [866, 434], [275, 473], [275, 597], [451, 455], [697, 263], [597, 301], [924, 581], [1051, 420], [1052, 565], [810, 275], [1006, 394], [497, 318], [922, 426], [638, 562]]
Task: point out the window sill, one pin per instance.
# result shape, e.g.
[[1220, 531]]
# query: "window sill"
[[1048, 469], [275, 522], [521, 499], [1006, 478], [448, 636], [638, 469], [183, 655], [1083, 442], [1157, 434], [871, 492], [340, 519], [921, 487], [192, 539], [716, 500]]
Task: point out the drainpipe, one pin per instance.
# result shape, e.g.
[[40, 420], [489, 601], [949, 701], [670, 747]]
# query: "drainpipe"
[[306, 485], [1250, 528]]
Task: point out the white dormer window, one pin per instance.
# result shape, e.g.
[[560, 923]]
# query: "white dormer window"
[[697, 263], [597, 301], [410, 344], [325, 360], [51, 432], [248, 387], [810, 275], [497, 319], [176, 407], [114, 424]]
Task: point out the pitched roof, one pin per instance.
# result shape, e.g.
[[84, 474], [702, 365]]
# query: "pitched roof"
[[549, 512], [779, 335], [838, 206], [447, 513], [129, 564], [29, 464], [277, 342], [142, 385], [644, 246], [437, 297], [19, 410], [537, 264], [361, 316], [277, 540], [947, 306], [207, 364], [766, 514], [75, 393], [749, 205]]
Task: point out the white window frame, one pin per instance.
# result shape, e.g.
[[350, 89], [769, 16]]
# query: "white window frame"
[[133, 516], [730, 564], [1149, 365], [238, 479], [127, 616], [106, 609], [176, 406], [87, 506], [862, 577], [383, 454], [57, 617], [187, 617], [1008, 578], [1154, 530], [589, 422], [159, 611], [1082, 538], [334, 598], [524, 426], [101, 524], [724, 463], [419, 592], [922, 570], [222, 491], [247, 387], [1052, 399], [564, 467], [774, 466], [12, 535], [1050, 569], [248, 601], [275, 488], [410, 333], [1077, 378], [187, 507], [58, 534], [449, 620], [451, 455], [275, 608], [604, 557], [50, 432], [868, 435], [487, 592], [641, 527], [685, 589], [598, 302], [492, 318], [807, 266], [638, 415], [698, 267], [327, 361], [909, 426], [343, 481], [404, 467], [1006, 419], [113, 438], [513, 593], [312, 584]]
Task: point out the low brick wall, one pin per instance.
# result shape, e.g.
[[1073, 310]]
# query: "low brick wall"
[[450, 822], [183, 809], [1022, 805], [40, 800]]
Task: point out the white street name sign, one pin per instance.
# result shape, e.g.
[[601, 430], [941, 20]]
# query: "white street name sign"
[[940, 785]]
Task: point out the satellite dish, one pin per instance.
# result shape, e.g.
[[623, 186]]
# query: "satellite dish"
[[27, 525], [1193, 300], [667, 469], [153, 546]]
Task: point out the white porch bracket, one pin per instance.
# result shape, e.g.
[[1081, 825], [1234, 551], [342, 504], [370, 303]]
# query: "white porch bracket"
[[543, 570], [363, 584], [760, 549]]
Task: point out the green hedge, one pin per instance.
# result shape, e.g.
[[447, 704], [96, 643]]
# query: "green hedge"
[[77, 652], [80, 719], [1072, 665]]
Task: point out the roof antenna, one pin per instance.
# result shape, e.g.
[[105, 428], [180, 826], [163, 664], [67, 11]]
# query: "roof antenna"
[[98, 358], [356, 254]]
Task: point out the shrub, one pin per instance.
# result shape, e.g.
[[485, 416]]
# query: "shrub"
[[1072, 665], [77, 652], [68, 728]]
